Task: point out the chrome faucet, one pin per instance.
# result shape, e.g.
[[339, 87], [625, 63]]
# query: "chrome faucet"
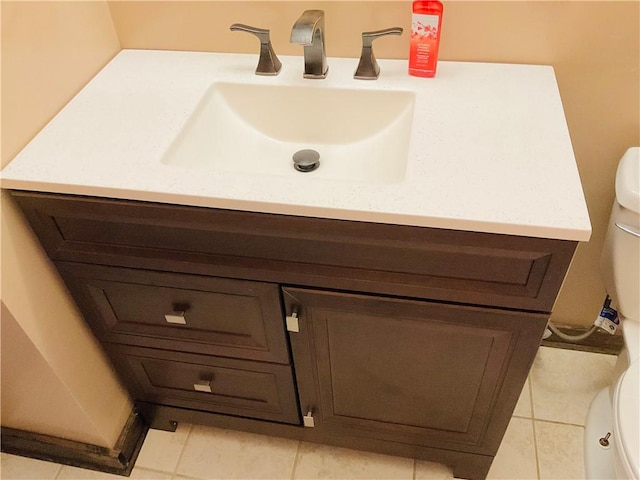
[[309, 31]]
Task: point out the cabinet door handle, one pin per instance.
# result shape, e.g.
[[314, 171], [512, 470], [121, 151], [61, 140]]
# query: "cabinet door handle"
[[307, 420], [176, 318], [292, 322], [203, 385]]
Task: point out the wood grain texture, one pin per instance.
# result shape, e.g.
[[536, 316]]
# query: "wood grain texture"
[[412, 341], [466, 267], [238, 387], [225, 317], [435, 375]]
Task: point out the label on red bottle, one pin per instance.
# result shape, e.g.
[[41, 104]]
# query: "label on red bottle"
[[424, 42]]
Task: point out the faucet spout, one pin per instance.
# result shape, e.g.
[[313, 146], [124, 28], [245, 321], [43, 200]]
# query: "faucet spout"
[[309, 32]]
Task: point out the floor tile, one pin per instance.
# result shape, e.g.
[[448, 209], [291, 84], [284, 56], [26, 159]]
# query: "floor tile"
[[161, 449], [432, 471], [564, 382], [326, 462], [144, 474], [73, 473], [13, 467], [516, 457], [560, 451], [523, 407], [213, 453]]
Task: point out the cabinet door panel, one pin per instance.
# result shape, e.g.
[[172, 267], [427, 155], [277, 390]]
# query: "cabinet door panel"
[[417, 372], [408, 374], [220, 316]]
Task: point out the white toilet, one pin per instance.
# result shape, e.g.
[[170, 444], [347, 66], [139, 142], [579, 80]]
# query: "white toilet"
[[612, 428]]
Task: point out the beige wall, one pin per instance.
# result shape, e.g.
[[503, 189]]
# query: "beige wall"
[[34, 397], [55, 378], [593, 46], [49, 52]]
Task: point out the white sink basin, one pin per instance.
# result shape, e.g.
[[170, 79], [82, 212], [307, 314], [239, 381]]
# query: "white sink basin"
[[361, 135]]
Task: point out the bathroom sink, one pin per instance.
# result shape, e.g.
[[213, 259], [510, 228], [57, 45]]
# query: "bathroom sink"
[[360, 134]]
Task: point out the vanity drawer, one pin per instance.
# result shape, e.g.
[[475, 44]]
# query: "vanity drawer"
[[427, 263], [193, 313], [199, 382]]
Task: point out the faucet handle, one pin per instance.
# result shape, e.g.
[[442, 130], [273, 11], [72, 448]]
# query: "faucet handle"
[[268, 63], [368, 68]]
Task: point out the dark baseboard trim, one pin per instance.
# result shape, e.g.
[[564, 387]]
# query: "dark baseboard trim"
[[118, 460], [598, 342]]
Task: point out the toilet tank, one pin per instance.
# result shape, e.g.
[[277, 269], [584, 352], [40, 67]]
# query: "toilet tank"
[[621, 254]]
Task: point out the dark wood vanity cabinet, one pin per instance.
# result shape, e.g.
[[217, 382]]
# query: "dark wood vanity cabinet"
[[402, 340]]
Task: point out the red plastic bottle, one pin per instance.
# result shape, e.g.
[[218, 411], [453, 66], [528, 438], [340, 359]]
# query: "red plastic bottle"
[[425, 37]]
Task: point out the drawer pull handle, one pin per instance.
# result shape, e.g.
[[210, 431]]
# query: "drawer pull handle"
[[203, 386], [176, 318]]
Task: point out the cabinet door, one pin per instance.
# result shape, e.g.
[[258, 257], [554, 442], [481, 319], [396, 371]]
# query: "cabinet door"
[[408, 371]]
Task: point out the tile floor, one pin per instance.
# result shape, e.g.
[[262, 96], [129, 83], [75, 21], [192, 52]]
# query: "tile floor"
[[543, 441]]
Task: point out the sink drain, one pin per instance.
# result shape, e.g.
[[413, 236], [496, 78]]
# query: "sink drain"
[[306, 160]]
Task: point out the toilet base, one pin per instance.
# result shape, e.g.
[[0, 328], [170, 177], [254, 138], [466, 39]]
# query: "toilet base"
[[599, 460]]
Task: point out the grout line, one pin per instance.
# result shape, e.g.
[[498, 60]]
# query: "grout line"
[[57, 475], [535, 447], [184, 446], [524, 417], [154, 470], [415, 467], [186, 477], [531, 400], [558, 422], [533, 425], [295, 460]]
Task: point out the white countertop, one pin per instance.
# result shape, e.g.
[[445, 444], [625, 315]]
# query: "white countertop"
[[489, 152]]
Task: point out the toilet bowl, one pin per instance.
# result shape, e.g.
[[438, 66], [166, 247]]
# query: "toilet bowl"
[[626, 423], [612, 427]]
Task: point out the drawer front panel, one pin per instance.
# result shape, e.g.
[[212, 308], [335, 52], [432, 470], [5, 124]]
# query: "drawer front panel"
[[209, 315], [466, 267], [235, 387]]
